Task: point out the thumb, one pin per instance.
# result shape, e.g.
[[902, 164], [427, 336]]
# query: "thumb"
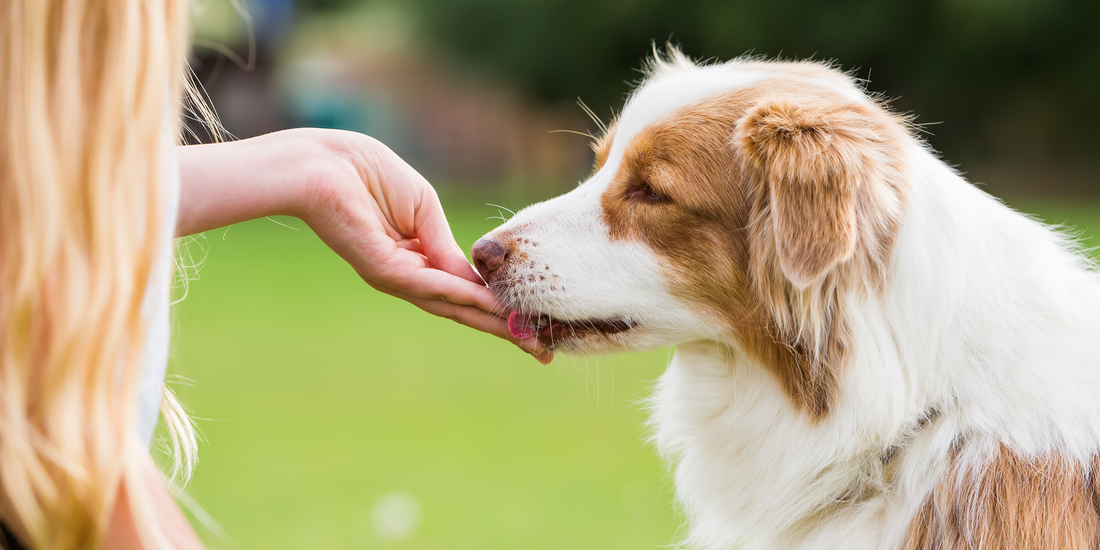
[[437, 241]]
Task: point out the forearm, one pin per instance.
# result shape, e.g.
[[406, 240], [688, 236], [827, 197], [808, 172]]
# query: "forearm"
[[226, 183]]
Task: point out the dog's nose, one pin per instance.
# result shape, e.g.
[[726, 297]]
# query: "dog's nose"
[[488, 255]]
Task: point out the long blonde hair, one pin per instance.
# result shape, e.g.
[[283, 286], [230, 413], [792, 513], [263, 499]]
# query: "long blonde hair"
[[85, 86]]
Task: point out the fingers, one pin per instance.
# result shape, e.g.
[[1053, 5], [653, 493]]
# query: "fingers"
[[546, 356], [410, 210], [433, 284], [412, 245], [475, 319], [438, 242]]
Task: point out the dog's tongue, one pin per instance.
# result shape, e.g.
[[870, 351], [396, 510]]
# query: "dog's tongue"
[[522, 326]]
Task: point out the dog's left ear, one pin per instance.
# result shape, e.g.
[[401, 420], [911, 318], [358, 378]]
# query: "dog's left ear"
[[810, 159]]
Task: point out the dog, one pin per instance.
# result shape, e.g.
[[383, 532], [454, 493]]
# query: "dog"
[[870, 351]]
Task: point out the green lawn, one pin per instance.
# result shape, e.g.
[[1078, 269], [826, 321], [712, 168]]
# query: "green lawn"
[[338, 417]]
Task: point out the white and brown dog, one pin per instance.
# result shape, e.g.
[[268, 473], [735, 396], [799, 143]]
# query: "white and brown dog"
[[870, 352]]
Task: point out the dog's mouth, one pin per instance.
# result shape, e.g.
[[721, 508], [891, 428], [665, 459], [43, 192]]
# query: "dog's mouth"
[[552, 331]]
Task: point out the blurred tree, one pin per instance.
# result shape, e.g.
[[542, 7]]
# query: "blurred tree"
[[326, 5], [1017, 79]]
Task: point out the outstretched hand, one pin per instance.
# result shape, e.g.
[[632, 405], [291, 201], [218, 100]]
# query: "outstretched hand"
[[366, 204], [387, 222]]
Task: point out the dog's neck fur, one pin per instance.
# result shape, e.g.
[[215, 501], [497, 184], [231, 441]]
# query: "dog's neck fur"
[[977, 342]]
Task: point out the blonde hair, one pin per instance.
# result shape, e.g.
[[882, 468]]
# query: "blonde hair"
[[85, 86]]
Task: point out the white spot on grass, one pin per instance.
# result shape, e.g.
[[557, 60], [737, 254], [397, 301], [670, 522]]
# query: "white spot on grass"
[[396, 516]]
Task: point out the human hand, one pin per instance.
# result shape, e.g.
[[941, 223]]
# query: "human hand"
[[384, 218], [362, 200]]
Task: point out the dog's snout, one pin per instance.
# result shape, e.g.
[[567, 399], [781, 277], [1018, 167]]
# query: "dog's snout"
[[488, 256]]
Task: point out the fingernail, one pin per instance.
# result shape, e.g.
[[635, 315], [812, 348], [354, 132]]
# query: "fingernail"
[[532, 346]]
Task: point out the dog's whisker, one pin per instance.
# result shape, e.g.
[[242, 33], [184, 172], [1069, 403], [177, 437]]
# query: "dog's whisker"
[[592, 115], [585, 134], [499, 207]]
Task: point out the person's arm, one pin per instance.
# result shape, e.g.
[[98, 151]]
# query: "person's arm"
[[361, 199]]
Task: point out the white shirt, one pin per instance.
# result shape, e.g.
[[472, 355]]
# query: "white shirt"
[[157, 303]]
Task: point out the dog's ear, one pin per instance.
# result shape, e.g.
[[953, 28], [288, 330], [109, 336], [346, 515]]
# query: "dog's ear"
[[823, 182], [809, 158]]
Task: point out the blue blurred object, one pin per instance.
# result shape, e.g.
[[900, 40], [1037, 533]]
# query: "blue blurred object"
[[271, 21]]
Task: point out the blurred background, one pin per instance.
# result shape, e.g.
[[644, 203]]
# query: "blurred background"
[[335, 417]]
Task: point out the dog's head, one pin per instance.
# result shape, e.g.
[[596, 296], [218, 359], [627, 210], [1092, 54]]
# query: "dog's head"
[[744, 203]]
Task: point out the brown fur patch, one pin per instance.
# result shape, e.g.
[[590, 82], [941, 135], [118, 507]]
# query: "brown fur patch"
[[1011, 502], [812, 177], [772, 202]]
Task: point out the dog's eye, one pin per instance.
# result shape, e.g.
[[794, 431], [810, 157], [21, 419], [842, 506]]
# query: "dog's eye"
[[643, 192]]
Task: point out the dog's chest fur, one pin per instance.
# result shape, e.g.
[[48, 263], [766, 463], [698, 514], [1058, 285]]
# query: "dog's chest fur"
[[752, 468]]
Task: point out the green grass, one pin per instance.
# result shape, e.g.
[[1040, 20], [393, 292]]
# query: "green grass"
[[318, 396]]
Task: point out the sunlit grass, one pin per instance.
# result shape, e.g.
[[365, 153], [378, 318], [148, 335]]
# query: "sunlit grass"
[[319, 396]]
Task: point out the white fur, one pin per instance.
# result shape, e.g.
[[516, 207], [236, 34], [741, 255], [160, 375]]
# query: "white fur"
[[988, 317]]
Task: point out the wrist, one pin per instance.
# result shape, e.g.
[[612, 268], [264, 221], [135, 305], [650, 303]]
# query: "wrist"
[[334, 165], [302, 161]]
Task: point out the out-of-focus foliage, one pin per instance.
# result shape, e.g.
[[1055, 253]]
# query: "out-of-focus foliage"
[[217, 22], [327, 5], [1013, 78]]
